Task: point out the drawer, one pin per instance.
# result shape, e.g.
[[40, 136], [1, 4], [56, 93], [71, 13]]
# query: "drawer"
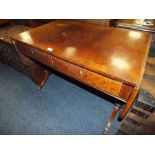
[[67, 68], [34, 54], [90, 78], [101, 83]]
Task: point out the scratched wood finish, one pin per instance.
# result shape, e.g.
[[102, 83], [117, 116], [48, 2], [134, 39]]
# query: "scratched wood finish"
[[113, 59]]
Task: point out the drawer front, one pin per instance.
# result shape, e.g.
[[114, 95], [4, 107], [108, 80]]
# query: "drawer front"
[[102, 83], [41, 57], [34, 54], [67, 68], [90, 78]]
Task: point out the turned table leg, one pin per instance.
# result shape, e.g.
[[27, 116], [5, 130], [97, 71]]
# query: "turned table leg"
[[111, 119]]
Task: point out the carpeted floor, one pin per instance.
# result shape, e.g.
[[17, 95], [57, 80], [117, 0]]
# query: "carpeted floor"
[[60, 107]]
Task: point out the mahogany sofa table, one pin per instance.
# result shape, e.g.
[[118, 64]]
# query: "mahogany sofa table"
[[111, 60]]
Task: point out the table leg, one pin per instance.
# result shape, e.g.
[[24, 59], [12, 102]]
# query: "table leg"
[[111, 119], [39, 74]]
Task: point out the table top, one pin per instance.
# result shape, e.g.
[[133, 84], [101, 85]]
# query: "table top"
[[119, 54], [137, 24]]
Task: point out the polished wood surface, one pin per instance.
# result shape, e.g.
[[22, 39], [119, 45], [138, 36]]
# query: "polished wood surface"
[[109, 59], [98, 81], [111, 52]]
